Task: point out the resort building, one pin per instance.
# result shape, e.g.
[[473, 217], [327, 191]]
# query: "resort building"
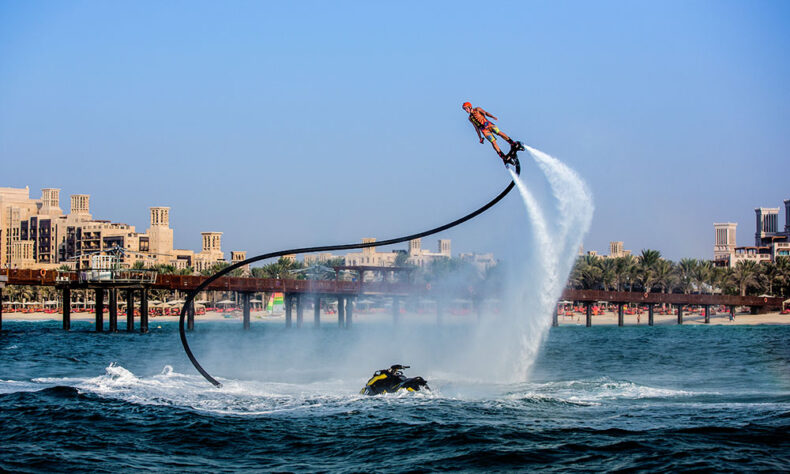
[[240, 256], [369, 256], [769, 241], [421, 258], [311, 259], [616, 250], [480, 261], [415, 255], [35, 233]]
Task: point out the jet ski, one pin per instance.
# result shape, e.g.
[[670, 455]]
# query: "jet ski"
[[392, 380]]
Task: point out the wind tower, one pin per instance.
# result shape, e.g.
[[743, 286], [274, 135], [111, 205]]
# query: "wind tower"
[[160, 235], [767, 225], [80, 206]]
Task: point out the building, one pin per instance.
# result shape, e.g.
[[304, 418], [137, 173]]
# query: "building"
[[35, 233], [240, 256], [369, 256], [319, 258], [616, 250], [421, 258], [769, 241], [482, 262], [415, 255]]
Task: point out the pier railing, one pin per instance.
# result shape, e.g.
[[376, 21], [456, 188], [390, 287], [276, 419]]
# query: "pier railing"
[[251, 285]]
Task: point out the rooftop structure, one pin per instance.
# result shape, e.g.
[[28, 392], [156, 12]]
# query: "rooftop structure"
[[769, 241]]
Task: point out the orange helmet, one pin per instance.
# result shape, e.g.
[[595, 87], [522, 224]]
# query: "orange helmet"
[[465, 105]]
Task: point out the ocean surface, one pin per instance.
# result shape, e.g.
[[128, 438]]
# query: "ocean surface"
[[601, 398]]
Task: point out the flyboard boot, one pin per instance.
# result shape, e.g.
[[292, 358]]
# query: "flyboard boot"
[[511, 158]]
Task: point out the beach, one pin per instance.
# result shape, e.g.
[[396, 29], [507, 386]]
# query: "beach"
[[608, 318]]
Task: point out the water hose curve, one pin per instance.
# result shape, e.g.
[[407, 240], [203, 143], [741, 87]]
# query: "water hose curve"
[[192, 294]]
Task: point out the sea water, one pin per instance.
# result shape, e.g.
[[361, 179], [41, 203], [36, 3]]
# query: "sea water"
[[657, 398]]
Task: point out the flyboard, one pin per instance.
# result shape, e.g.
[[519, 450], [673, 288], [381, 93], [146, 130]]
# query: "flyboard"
[[511, 158]]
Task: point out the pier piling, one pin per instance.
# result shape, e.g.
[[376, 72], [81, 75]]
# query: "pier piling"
[[113, 309], [620, 317], [144, 311], [555, 319], [129, 310], [680, 314], [288, 308], [588, 309], [99, 310], [349, 311], [650, 314], [317, 311], [341, 311], [66, 308], [191, 316], [245, 298], [299, 310], [707, 314]]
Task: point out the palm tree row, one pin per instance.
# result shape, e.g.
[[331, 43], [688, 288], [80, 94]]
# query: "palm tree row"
[[649, 272]]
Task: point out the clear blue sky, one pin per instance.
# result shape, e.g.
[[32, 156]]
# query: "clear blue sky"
[[287, 124]]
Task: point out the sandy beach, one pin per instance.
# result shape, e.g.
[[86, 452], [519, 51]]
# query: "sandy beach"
[[577, 319], [722, 318]]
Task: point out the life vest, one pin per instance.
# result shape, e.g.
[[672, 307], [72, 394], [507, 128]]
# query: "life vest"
[[475, 121]]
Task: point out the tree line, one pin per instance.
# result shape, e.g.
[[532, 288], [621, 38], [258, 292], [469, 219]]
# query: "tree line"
[[649, 272]]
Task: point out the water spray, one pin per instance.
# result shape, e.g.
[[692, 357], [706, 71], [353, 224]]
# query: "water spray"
[[192, 294]]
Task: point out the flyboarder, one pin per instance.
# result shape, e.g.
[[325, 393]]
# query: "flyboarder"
[[486, 128]]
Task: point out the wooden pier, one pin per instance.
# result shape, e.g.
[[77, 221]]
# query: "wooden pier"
[[131, 284]]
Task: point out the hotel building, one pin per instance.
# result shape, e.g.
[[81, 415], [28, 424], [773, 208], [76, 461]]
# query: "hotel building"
[[35, 233], [416, 255], [769, 241]]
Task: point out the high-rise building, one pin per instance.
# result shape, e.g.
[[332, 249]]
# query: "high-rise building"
[[787, 216]]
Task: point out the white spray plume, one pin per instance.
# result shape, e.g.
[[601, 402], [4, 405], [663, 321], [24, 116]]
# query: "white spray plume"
[[501, 347]]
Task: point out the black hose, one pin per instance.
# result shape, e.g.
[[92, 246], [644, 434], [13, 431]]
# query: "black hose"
[[326, 248]]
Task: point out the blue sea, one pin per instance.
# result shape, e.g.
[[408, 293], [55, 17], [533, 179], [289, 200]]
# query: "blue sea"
[[600, 398]]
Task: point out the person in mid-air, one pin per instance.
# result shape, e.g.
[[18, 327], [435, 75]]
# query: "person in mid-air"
[[485, 127]]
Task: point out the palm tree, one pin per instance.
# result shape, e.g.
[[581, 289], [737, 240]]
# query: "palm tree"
[[744, 276], [702, 275], [624, 272], [783, 275], [608, 273], [685, 271], [647, 268], [665, 274], [586, 273], [766, 273]]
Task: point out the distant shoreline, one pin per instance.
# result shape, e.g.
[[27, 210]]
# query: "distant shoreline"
[[605, 319]]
